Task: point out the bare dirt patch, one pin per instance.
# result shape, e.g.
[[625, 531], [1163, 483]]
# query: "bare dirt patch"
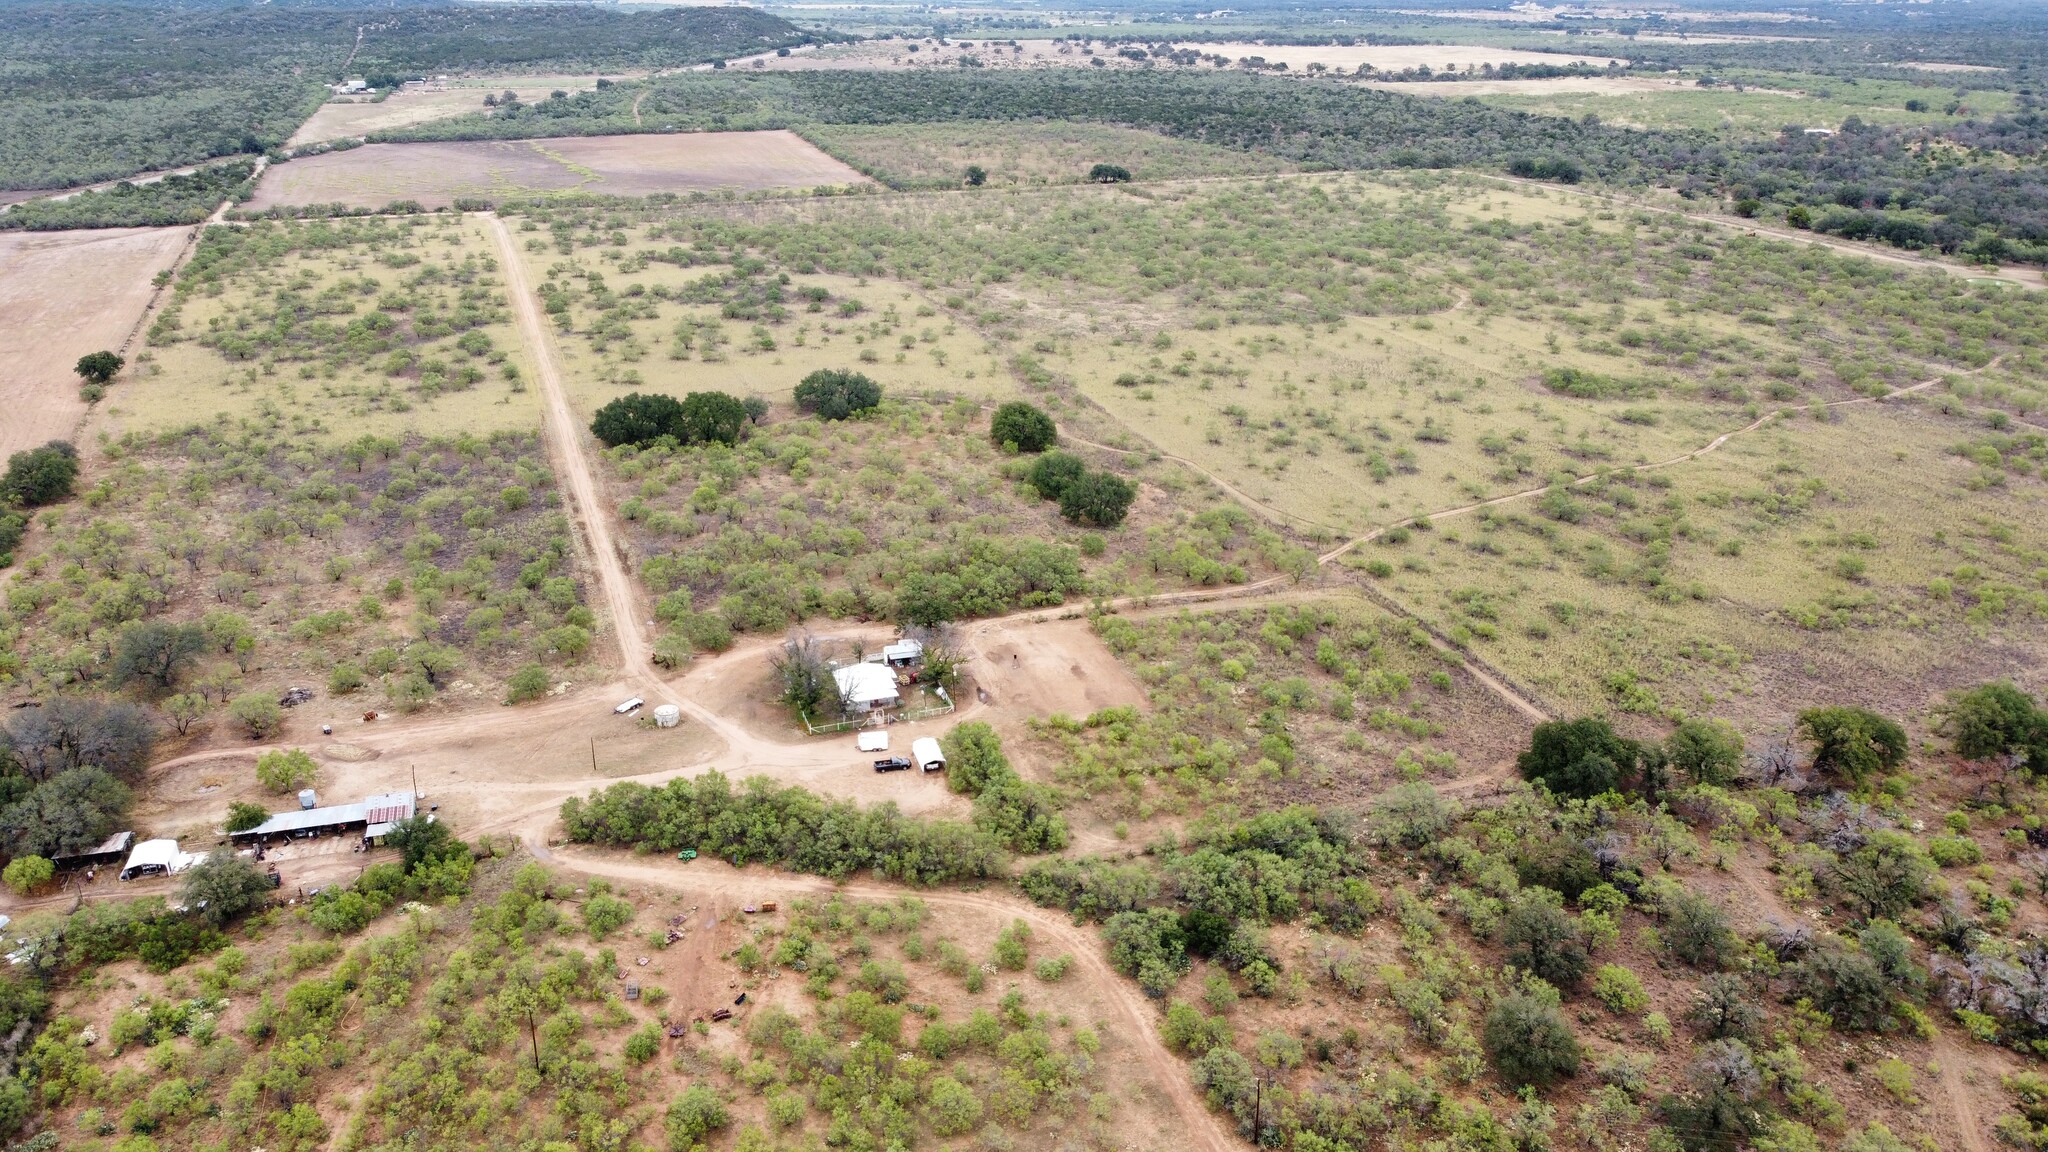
[[438, 174], [1060, 666], [62, 295], [1387, 57], [1554, 86]]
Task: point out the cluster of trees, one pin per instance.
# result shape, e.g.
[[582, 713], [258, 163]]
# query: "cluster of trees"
[[172, 200], [1584, 758], [699, 418], [66, 769], [34, 478], [765, 823], [1023, 816], [1089, 496]]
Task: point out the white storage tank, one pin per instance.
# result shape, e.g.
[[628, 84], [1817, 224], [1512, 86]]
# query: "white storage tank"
[[667, 716]]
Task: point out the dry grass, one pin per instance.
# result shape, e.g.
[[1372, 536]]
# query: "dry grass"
[[185, 381], [1024, 154], [437, 175], [63, 295]]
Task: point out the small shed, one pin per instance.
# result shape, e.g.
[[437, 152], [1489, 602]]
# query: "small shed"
[[156, 858], [865, 687], [381, 812], [110, 851], [903, 653], [924, 752], [667, 716]]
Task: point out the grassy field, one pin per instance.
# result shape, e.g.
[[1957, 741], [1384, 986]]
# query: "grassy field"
[[1767, 102], [389, 569], [1026, 154], [1467, 342], [346, 328]]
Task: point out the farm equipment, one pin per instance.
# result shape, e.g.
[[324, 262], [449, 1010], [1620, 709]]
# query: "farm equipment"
[[687, 854], [721, 1015]]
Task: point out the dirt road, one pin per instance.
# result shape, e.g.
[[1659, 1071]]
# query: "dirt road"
[[708, 879], [572, 464]]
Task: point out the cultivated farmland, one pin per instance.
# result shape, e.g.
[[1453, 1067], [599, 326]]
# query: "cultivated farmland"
[[437, 175], [62, 295]]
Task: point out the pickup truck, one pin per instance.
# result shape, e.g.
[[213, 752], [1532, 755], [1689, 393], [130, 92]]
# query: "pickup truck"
[[893, 764]]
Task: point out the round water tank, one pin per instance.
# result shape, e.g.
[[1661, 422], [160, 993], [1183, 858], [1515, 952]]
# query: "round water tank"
[[668, 716]]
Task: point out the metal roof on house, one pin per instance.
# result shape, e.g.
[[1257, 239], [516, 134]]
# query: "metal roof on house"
[[118, 842], [865, 683], [387, 808]]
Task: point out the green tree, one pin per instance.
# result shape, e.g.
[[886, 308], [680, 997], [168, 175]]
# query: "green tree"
[[1853, 744], [1884, 876], [974, 758], [257, 713], [528, 683], [183, 709], [423, 842], [1053, 472], [951, 1108], [711, 417], [243, 816], [224, 886], [1996, 719], [1529, 1041], [835, 394], [604, 914], [433, 660], [285, 770], [976, 175], [1697, 931], [98, 367], [1024, 425], [1707, 751], [40, 476], [1098, 499], [697, 1113], [70, 812], [1110, 174], [637, 418], [1542, 938], [1579, 758], [25, 874], [156, 653]]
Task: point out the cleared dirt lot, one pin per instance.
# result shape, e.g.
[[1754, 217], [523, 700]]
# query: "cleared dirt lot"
[[1600, 85], [888, 54], [1387, 57], [438, 174], [62, 295]]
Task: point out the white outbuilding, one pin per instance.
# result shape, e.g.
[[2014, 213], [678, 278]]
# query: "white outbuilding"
[[865, 687], [156, 858], [667, 716], [925, 753]]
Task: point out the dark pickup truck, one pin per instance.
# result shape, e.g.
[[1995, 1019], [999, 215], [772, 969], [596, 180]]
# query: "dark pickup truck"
[[893, 764]]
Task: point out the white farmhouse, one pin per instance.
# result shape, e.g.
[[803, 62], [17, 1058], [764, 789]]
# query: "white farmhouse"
[[865, 687]]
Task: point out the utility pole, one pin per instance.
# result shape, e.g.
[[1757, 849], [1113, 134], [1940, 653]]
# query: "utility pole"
[[415, 782], [593, 755], [1258, 1110]]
